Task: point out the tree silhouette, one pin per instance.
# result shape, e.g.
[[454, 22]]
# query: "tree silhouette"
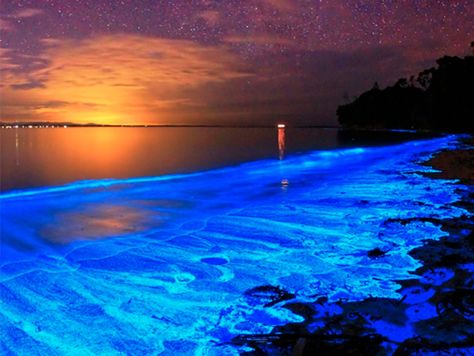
[[440, 98]]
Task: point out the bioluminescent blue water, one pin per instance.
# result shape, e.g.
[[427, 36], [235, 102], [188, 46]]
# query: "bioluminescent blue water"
[[161, 264]]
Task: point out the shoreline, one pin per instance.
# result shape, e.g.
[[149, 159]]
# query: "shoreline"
[[436, 310], [347, 139], [455, 164], [213, 244]]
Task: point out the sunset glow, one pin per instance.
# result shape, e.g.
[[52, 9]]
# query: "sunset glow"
[[212, 62], [120, 79]]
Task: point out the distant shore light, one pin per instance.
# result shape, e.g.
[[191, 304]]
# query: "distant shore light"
[[281, 126]]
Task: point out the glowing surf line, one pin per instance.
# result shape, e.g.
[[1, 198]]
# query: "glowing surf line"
[[108, 182]]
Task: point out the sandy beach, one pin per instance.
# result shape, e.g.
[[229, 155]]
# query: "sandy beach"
[[435, 313]]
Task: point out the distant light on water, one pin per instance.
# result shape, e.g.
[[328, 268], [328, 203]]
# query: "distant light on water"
[[281, 152], [281, 141]]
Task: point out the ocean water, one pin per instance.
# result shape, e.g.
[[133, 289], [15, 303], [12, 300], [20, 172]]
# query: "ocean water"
[[48, 157], [164, 264]]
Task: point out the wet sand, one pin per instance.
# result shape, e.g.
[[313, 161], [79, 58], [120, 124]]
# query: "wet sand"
[[435, 313], [457, 164]]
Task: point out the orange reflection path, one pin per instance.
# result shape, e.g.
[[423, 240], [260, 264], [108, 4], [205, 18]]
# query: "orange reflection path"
[[281, 141]]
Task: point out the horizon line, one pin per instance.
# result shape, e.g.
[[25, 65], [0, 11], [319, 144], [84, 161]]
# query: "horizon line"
[[73, 124]]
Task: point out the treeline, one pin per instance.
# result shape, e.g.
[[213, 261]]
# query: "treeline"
[[440, 98]]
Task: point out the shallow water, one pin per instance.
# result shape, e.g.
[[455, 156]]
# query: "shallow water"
[[162, 264]]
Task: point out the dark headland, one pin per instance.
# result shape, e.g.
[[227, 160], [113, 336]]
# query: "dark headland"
[[440, 98]]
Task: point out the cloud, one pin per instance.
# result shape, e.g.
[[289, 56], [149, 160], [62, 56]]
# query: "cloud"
[[138, 79], [7, 21], [54, 104], [141, 60], [33, 84], [125, 77], [27, 12], [6, 60]]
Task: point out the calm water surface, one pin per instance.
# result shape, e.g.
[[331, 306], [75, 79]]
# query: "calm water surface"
[[45, 157]]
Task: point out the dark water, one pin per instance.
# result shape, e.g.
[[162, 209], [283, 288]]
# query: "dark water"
[[45, 157]]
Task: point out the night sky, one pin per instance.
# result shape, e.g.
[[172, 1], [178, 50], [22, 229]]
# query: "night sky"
[[214, 61]]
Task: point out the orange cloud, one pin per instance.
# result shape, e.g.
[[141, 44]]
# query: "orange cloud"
[[116, 79], [28, 12], [7, 22]]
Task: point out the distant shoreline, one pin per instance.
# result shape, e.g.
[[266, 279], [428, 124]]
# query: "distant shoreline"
[[43, 125], [67, 124]]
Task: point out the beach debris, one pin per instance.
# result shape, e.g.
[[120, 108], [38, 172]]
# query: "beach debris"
[[377, 252]]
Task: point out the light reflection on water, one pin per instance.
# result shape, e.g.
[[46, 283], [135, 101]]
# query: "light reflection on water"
[[97, 221], [281, 142], [48, 157], [45, 157]]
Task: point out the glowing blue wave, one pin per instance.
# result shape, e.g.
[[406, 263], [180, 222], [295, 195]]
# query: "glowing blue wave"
[[161, 264]]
